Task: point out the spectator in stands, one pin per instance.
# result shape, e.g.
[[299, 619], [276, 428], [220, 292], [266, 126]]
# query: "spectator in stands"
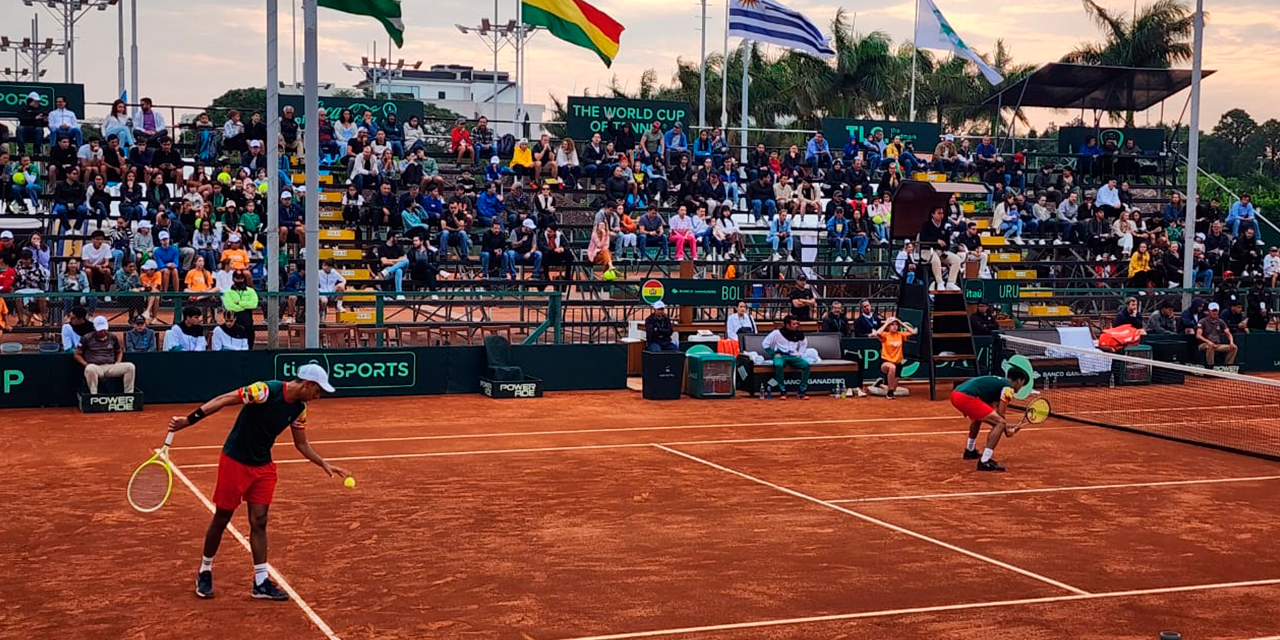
[[242, 300], [69, 197], [383, 209], [1129, 314], [168, 261], [1243, 213], [567, 162], [453, 232], [616, 186], [187, 335], [139, 161], [62, 159], [780, 235], [653, 233], [544, 159], [522, 160], [1164, 321], [1108, 198], [30, 278], [555, 250], [1202, 272], [944, 156], [598, 247], [482, 139], [331, 285], [1191, 316], [97, 259], [702, 148], [860, 233], [839, 238], [168, 162], [1175, 210], [935, 241], [682, 234], [101, 354], [199, 280], [1071, 230], [786, 346], [152, 283], [91, 157], [290, 142], [292, 228], [1271, 266], [32, 121], [25, 179], [817, 153], [113, 160], [139, 338], [1217, 247], [368, 124], [986, 156], [1208, 214], [75, 327], [513, 203], [675, 142], [835, 321], [1235, 318], [345, 129], [522, 245], [593, 163], [1089, 162], [1009, 220], [1214, 336], [1246, 254], [804, 304], [1100, 235], [72, 280], [148, 123], [233, 138], [740, 321], [229, 336], [1140, 267], [968, 246], [982, 322], [659, 330], [760, 194], [363, 170], [422, 263], [493, 251]]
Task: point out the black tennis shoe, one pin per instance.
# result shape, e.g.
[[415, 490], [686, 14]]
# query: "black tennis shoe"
[[269, 591], [972, 454], [990, 465], [204, 584]]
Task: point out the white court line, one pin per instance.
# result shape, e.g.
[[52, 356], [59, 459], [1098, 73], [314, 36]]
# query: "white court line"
[[629, 445], [878, 522], [936, 609], [970, 494], [275, 574], [1215, 407], [464, 436]]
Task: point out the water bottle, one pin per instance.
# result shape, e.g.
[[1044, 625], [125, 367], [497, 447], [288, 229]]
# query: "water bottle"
[[762, 391], [768, 392]]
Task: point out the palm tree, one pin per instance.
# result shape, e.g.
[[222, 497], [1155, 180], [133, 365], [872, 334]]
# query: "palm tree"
[[1156, 37]]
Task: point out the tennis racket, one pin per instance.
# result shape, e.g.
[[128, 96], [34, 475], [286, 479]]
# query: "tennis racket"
[[1036, 412], [152, 481]]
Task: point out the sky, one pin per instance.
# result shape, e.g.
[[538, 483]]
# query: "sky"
[[193, 50]]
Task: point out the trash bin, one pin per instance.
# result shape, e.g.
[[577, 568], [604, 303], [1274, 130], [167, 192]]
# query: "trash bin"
[[662, 374], [711, 375]]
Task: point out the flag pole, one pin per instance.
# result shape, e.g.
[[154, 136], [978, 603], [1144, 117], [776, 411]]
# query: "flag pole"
[[724, 73], [273, 184], [310, 78], [702, 73], [914, 51], [746, 95], [1193, 155]]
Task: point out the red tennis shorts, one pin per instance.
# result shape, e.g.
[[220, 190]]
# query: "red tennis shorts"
[[973, 408], [239, 482]]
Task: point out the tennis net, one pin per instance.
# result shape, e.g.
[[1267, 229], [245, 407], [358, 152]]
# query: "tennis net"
[[1133, 392]]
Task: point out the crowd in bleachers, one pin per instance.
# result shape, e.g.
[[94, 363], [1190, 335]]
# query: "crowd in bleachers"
[[158, 216]]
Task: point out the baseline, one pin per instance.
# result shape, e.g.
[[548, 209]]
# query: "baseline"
[[1095, 487]]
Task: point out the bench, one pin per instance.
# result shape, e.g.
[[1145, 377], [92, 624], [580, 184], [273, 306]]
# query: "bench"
[[833, 368]]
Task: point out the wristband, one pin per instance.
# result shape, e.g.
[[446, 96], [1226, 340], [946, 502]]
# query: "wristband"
[[196, 416]]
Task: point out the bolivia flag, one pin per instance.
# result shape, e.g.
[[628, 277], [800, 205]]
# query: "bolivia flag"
[[576, 22]]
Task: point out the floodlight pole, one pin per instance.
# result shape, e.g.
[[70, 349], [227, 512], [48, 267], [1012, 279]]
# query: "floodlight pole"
[[702, 73], [311, 145], [273, 183], [1193, 157]]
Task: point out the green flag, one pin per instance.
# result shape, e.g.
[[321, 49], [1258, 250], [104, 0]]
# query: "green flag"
[[385, 11]]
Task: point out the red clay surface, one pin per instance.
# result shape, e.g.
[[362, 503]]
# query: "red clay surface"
[[557, 518]]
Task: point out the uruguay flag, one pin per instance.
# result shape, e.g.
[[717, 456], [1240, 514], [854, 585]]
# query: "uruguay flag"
[[768, 21]]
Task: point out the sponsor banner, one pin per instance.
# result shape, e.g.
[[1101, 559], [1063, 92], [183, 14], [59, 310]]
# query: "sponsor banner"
[[110, 402], [838, 131], [692, 291], [13, 97], [355, 370], [527, 388], [585, 116], [1071, 139]]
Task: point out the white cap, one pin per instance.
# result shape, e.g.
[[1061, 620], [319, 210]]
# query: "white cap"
[[255, 143], [7, 235], [163, 235], [286, 194], [301, 189], [659, 305], [145, 224], [529, 224], [100, 323], [235, 237], [949, 137], [33, 96], [1213, 306], [315, 373], [494, 160], [150, 264]]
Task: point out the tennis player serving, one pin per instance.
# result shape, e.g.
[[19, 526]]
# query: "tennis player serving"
[[245, 470], [985, 399]]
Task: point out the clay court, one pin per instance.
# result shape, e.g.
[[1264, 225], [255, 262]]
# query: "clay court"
[[593, 516]]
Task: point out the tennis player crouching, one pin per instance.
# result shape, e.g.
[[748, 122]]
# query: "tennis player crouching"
[[984, 399], [245, 470]]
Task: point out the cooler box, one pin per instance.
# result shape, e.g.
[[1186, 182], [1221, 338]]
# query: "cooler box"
[[1130, 373], [710, 375], [662, 374]]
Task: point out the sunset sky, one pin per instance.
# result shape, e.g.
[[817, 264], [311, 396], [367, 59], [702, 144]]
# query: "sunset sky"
[[193, 50]]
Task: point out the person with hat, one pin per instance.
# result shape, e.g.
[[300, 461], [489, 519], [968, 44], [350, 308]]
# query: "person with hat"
[[102, 356], [246, 472], [139, 338], [168, 261], [675, 142], [984, 399], [32, 120], [944, 156], [153, 283], [658, 330], [293, 229], [1214, 336]]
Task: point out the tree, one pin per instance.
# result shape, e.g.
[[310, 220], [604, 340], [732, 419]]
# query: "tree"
[[244, 100], [1235, 126]]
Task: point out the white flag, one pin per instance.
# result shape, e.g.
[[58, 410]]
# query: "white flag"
[[934, 32]]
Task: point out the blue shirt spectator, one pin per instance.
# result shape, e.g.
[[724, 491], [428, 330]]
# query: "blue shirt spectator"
[[817, 147], [1243, 213], [676, 140]]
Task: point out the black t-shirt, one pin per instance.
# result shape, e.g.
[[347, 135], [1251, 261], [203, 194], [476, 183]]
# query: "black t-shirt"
[[390, 251], [265, 415], [64, 158], [802, 312]]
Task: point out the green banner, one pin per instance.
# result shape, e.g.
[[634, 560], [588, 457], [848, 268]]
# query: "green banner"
[[585, 116], [356, 370], [332, 106], [839, 130], [868, 357], [691, 291], [1071, 139], [13, 97], [992, 291]]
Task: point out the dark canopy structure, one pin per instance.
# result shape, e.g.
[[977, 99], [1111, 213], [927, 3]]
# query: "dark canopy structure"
[[1059, 85]]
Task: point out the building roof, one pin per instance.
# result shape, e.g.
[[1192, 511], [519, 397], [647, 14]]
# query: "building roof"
[[1060, 85]]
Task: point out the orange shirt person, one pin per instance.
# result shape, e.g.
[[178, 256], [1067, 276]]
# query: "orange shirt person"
[[892, 334], [236, 253]]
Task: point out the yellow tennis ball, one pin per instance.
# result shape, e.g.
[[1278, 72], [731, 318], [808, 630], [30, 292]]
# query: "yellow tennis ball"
[[349, 482], [19, 177], [1006, 394], [224, 178], [610, 275], [877, 219]]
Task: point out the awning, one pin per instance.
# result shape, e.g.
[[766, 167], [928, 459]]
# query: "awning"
[[1059, 85]]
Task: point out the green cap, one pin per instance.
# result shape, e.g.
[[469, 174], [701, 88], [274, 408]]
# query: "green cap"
[[1021, 362]]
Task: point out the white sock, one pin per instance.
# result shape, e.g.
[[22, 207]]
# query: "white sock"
[[260, 572], [970, 444], [206, 564], [987, 453]]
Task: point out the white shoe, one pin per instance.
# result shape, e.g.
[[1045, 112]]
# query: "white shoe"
[[1040, 242], [384, 274], [934, 287], [400, 297], [951, 286], [1057, 242], [790, 258], [340, 308], [985, 274], [776, 257], [107, 299]]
